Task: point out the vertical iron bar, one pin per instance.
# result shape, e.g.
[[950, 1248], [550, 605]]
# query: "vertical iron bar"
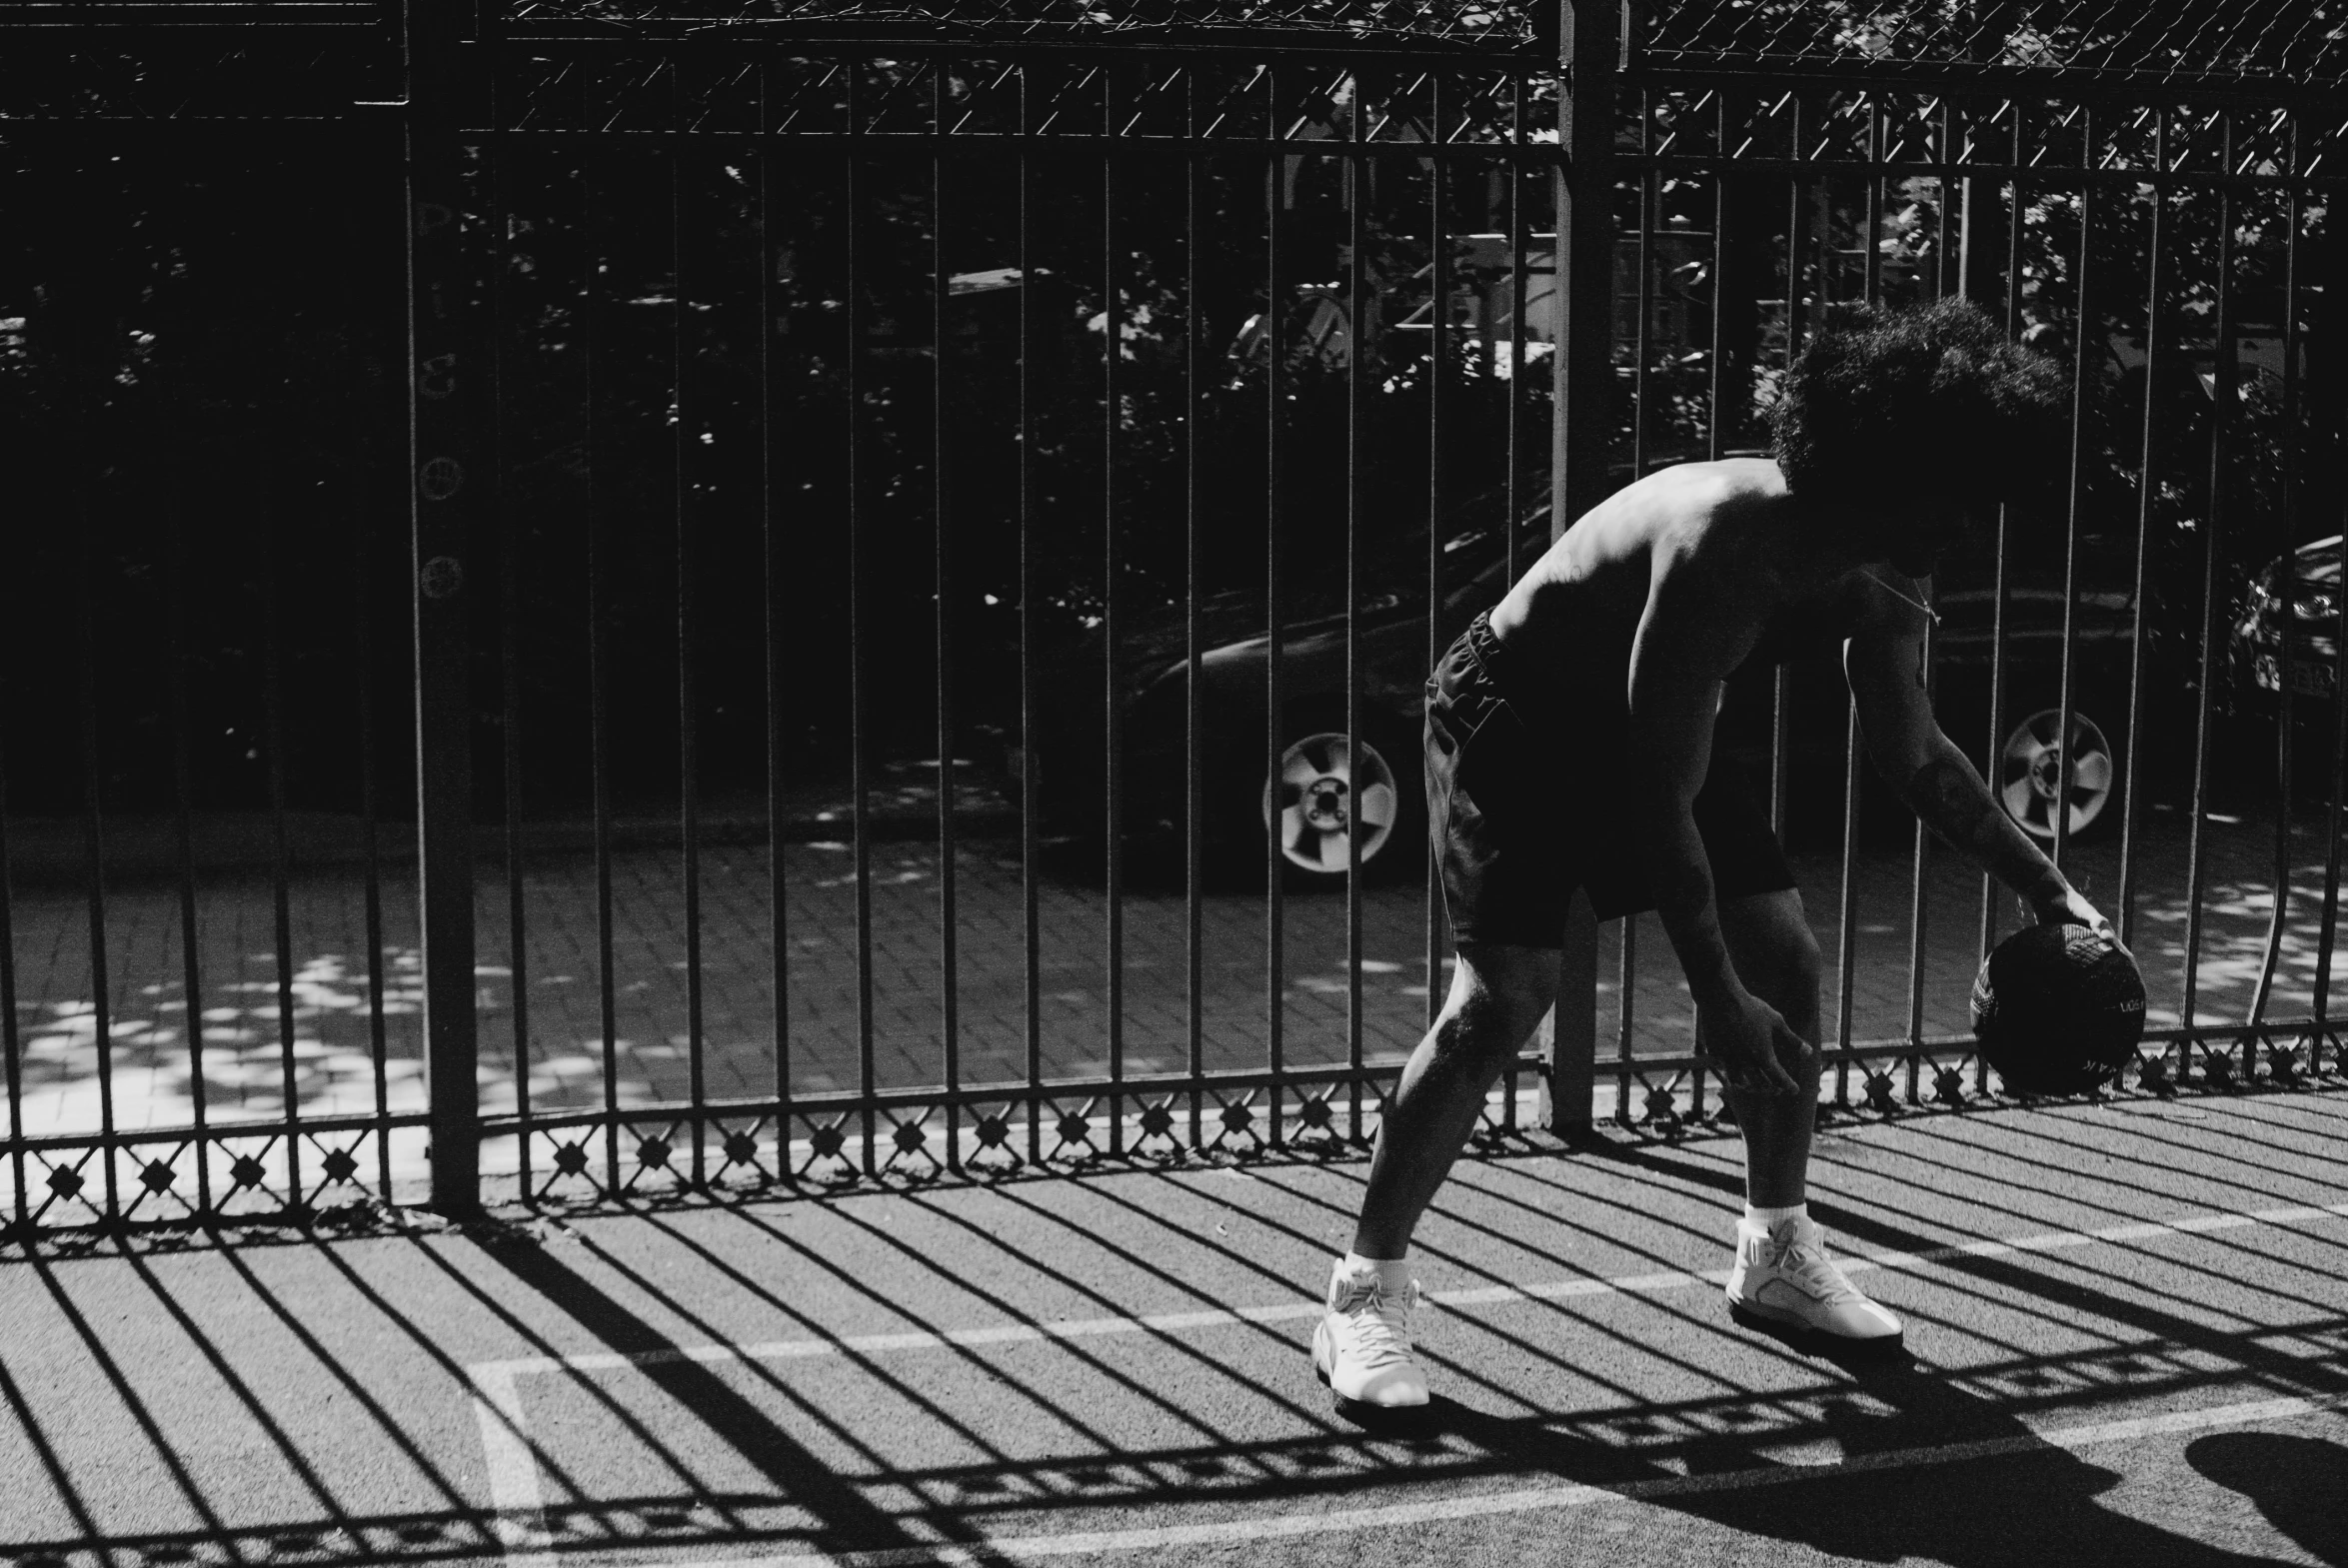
[[1781, 680], [2335, 281], [1944, 252], [1919, 868], [1513, 413], [1195, 328], [599, 704], [859, 684], [1642, 337], [1513, 410], [1274, 595], [93, 839], [940, 289], [508, 649], [2132, 792], [2001, 591], [1438, 346], [2080, 365], [1583, 392], [1993, 771], [10, 1046], [2328, 933], [370, 819], [1846, 940], [1871, 259], [1356, 464], [1715, 436], [687, 683], [439, 439], [2286, 670], [779, 674], [1029, 887], [1716, 439], [1113, 350], [183, 795], [1627, 993], [2220, 421], [1780, 748], [488, 33], [1519, 278], [362, 544], [1796, 239], [1944, 278], [280, 895]]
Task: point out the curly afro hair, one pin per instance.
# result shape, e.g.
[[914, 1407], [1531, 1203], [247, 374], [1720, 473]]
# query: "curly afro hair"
[[1934, 395]]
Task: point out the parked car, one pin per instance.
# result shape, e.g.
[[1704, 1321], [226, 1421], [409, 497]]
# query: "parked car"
[[1320, 781], [2246, 735], [2256, 644]]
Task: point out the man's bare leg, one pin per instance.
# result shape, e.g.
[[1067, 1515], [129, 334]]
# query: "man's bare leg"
[[1776, 958], [1499, 995], [1361, 1345], [1783, 1275]]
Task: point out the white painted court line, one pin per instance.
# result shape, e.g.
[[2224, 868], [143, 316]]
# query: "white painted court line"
[[514, 1474], [1289, 1311]]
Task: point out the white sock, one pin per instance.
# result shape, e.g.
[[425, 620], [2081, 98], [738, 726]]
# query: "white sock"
[[1394, 1272], [1767, 1219]]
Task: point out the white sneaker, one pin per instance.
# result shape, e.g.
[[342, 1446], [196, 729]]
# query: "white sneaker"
[[1361, 1345], [1785, 1277]]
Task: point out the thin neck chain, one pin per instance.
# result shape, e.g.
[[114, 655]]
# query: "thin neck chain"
[[1903, 597]]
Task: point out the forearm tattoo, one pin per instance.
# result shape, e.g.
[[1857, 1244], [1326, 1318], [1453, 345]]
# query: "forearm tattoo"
[[1951, 798]]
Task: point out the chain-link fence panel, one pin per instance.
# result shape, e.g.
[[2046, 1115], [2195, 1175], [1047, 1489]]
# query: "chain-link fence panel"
[[2182, 41]]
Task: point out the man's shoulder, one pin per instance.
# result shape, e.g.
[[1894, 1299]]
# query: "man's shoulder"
[[1727, 522], [1736, 483]]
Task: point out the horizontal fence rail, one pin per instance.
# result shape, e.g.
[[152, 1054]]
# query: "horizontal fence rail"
[[890, 640]]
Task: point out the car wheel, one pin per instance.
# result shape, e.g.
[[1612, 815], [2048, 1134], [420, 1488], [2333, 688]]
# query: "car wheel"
[[2032, 768], [1323, 784]]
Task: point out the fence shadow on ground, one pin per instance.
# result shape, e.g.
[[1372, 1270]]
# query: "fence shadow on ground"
[[805, 1377]]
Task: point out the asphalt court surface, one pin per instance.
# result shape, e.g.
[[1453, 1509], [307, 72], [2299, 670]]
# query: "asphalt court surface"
[[2128, 1343]]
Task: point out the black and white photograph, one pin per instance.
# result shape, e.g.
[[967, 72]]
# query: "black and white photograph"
[[1173, 784]]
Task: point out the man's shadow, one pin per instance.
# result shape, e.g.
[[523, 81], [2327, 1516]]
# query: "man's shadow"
[[2016, 1501], [2299, 1483]]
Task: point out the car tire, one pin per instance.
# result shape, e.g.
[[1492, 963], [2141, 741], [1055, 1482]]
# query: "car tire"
[[2030, 768], [1311, 794]]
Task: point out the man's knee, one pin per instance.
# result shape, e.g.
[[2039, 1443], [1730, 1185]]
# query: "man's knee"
[[1498, 998]]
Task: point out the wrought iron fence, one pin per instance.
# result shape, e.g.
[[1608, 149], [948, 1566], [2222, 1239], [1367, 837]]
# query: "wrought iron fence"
[[926, 528]]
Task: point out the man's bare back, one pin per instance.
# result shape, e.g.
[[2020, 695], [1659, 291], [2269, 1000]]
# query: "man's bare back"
[[1576, 613]]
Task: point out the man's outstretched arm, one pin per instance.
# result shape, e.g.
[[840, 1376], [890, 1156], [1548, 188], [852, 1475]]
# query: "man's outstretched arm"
[[1948, 795], [1937, 780]]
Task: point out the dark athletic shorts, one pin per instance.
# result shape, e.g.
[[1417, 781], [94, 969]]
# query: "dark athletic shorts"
[[1526, 800]]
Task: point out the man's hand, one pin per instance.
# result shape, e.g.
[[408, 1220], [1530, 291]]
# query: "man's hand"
[[1750, 1043], [2065, 906]]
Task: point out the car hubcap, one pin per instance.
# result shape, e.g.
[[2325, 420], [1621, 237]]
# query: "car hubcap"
[[1321, 789], [2031, 786]]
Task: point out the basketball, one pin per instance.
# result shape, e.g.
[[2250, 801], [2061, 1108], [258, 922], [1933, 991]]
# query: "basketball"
[[2056, 1012]]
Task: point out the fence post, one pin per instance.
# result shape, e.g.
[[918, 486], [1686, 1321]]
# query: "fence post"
[[440, 374], [1589, 38]]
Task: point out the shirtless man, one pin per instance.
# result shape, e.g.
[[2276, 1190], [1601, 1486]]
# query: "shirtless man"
[[1568, 743]]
